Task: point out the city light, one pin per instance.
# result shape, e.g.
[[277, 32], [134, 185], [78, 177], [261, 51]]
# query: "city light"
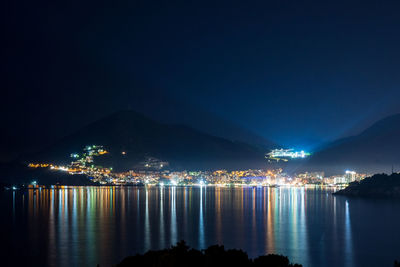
[[286, 154], [153, 173]]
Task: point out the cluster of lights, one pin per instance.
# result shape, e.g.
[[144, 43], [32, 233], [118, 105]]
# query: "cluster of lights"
[[83, 164], [287, 153]]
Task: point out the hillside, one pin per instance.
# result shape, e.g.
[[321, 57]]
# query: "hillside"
[[140, 137], [379, 185], [376, 149], [173, 111]]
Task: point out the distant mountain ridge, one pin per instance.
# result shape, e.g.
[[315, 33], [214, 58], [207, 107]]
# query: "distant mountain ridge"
[[172, 111], [36, 134], [377, 148], [139, 137]]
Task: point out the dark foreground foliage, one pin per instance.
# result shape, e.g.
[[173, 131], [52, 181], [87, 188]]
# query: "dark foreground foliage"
[[181, 255]]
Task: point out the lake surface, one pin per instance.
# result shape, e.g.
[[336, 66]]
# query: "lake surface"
[[86, 226]]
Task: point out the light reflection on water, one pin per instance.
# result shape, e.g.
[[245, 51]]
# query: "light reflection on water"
[[84, 226]]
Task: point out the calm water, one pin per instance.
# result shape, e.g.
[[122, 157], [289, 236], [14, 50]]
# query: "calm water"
[[84, 226]]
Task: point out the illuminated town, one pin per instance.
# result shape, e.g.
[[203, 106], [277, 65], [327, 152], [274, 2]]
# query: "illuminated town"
[[155, 172]]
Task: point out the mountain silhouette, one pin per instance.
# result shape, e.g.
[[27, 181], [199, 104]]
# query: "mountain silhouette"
[[173, 111], [375, 149], [139, 137], [33, 131]]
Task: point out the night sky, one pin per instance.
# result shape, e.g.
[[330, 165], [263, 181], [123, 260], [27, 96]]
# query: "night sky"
[[296, 72]]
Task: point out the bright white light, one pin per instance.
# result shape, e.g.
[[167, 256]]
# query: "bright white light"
[[288, 153]]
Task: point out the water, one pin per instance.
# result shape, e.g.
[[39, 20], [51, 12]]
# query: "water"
[[86, 226]]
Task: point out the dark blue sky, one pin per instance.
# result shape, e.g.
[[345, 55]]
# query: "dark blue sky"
[[296, 72]]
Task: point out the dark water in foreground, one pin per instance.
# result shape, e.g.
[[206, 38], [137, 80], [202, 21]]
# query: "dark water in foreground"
[[84, 226]]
